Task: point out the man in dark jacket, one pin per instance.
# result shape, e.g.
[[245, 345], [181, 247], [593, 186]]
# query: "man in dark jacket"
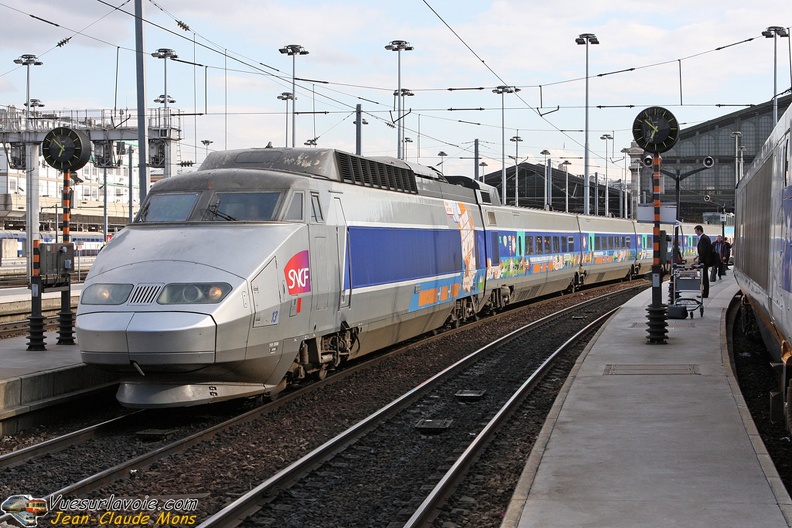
[[704, 249]]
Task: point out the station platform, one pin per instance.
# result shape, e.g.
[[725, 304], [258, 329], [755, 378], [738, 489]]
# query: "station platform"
[[33, 380], [652, 435]]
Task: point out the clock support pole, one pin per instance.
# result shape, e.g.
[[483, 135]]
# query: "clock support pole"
[[656, 310], [36, 330], [66, 315]]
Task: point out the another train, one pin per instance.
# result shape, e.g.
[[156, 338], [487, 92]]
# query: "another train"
[[268, 265], [88, 243], [763, 253]]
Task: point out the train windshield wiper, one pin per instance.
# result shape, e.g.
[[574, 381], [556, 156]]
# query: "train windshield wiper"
[[215, 210]]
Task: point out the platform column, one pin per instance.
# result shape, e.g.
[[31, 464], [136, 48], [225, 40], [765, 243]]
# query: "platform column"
[[66, 316], [36, 331], [656, 315]]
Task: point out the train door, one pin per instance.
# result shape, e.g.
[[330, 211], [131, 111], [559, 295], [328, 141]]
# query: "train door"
[[330, 278], [337, 219]]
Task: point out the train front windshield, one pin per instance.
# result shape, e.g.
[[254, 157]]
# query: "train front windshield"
[[220, 206]]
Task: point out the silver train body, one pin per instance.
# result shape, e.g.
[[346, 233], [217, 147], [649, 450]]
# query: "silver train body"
[[272, 265], [763, 245]]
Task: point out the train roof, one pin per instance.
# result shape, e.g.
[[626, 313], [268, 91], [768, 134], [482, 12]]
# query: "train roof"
[[378, 172]]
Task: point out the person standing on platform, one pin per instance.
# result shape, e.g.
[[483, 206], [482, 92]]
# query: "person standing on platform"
[[704, 249], [717, 258]]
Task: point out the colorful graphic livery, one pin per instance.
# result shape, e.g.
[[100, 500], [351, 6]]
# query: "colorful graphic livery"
[[267, 266]]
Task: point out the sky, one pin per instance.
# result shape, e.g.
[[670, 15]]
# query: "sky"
[[701, 60]]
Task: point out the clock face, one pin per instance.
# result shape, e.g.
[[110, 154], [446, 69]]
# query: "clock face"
[[66, 149], [655, 129]]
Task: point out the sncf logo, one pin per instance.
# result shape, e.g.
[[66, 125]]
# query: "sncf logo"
[[298, 274]]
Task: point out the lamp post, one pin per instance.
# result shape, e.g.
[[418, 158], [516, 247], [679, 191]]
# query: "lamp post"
[[586, 38], [545, 153], [626, 153], [442, 159], [400, 95], [482, 164], [206, 143], [165, 54], [736, 135], [566, 165], [31, 173], [406, 140], [501, 90], [293, 50], [398, 46], [606, 137], [28, 60], [774, 32], [33, 103], [516, 140], [286, 96]]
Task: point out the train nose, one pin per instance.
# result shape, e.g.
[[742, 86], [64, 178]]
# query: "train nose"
[[148, 339]]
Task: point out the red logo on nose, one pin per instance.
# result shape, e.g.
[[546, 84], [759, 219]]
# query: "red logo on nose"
[[298, 275]]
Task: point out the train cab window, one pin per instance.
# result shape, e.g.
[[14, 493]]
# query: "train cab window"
[[295, 211], [316, 209], [167, 207], [243, 206]]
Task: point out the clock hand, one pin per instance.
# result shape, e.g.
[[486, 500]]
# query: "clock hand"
[[651, 125], [62, 147]]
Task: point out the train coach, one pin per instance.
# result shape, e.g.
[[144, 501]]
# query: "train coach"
[[763, 254], [267, 266]]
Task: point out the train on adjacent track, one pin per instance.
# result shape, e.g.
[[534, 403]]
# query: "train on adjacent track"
[[763, 255], [269, 265], [87, 243]]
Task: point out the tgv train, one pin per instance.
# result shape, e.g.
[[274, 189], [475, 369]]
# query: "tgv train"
[[271, 265], [763, 250]]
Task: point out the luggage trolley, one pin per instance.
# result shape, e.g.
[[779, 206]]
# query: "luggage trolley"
[[687, 287]]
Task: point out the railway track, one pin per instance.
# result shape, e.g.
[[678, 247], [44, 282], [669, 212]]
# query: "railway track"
[[105, 463], [367, 478]]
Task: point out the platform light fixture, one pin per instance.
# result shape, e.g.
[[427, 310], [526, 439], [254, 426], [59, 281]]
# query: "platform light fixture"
[[287, 96], [28, 60], [516, 140], [586, 39], [398, 46], [606, 137], [292, 50], [502, 90], [774, 32]]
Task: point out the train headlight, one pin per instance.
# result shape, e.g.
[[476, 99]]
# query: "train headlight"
[[106, 294], [194, 293]]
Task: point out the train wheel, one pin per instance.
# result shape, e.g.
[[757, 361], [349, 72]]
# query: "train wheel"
[[321, 373]]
